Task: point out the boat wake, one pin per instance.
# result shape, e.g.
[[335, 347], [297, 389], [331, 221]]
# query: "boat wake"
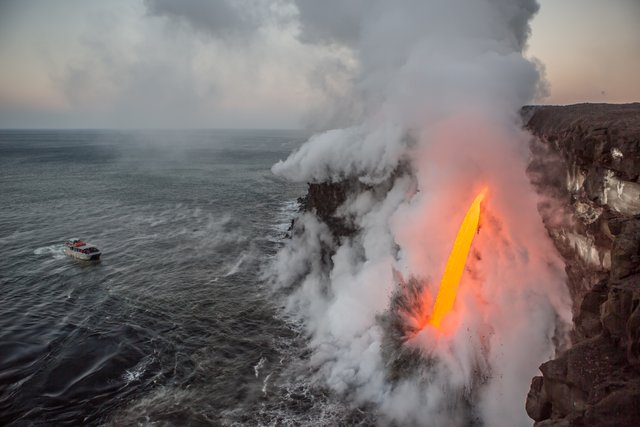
[[56, 251]]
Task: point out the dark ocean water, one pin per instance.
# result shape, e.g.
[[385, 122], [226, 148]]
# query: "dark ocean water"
[[174, 326]]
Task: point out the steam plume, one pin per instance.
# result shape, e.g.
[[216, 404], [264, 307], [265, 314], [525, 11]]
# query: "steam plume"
[[441, 83]]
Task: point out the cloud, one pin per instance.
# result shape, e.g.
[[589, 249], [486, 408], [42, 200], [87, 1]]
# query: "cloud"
[[258, 30], [332, 21], [218, 19], [119, 70], [163, 64]]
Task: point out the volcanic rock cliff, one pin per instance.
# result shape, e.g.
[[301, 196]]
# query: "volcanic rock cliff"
[[586, 165], [586, 159]]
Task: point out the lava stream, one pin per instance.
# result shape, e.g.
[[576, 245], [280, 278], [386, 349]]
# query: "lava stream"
[[456, 262]]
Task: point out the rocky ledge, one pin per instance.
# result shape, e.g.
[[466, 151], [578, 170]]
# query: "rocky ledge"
[[586, 160]]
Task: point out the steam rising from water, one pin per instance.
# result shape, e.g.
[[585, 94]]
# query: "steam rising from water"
[[441, 83]]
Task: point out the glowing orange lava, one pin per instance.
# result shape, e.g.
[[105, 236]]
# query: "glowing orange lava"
[[455, 265]]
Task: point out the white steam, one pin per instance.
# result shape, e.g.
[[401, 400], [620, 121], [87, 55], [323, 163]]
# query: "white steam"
[[441, 83]]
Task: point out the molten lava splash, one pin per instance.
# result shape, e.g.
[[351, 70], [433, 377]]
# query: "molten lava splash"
[[455, 265]]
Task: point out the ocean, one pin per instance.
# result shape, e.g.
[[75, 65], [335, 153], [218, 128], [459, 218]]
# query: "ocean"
[[175, 325]]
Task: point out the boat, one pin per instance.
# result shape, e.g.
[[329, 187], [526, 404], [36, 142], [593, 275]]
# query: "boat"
[[81, 250]]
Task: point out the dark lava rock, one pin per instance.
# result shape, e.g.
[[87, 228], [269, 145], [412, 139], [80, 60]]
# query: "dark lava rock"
[[325, 198], [619, 408], [576, 151], [589, 132], [538, 403], [625, 257], [587, 321]]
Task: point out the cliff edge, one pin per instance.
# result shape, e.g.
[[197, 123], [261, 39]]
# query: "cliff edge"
[[586, 160]]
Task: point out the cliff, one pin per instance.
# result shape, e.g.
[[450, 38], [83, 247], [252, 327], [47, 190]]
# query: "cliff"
[[586, 159]]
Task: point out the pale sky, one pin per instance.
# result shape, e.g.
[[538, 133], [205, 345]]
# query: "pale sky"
[[146, 64], [591, 50]]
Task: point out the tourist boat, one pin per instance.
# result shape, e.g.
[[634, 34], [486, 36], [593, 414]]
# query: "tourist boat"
[[81, 250]]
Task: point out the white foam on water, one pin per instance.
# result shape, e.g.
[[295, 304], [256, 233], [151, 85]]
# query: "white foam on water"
[[265, 383], [56, 251], [286, 212], [259, 366], [135, 373]]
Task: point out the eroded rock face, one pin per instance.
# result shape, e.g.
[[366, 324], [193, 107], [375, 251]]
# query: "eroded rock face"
[[586, 159]]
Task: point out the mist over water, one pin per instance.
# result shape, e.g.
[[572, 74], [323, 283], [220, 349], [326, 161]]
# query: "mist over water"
[[174, 326]]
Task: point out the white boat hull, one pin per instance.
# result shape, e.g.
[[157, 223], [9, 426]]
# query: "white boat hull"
[[82, 256]]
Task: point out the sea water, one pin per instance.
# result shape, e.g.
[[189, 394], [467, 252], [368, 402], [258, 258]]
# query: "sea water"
[[175, 325]]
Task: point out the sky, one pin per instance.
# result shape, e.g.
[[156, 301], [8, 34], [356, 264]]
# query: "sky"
[[196, 64]]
